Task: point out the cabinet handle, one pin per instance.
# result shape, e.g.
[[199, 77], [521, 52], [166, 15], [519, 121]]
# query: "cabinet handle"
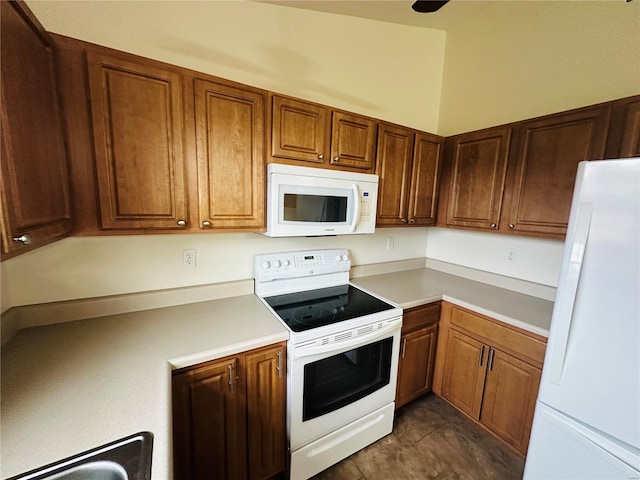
[[336, 159], [279, 367], [231, 378], [23, 239], [481, 355], [493, 225], [491, 354], [181, 223], [512, 226], [404, 346], [206, 224], [321, 157]]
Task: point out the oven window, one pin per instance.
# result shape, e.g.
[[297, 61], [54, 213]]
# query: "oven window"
[[336, 381], [314, 208]]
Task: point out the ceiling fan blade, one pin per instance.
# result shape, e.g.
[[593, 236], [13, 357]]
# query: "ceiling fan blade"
[[428, 6]]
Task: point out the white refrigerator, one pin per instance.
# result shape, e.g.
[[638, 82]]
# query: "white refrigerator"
[[587, 418]]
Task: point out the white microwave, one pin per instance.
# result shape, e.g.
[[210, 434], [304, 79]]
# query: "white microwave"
[[307, 202]]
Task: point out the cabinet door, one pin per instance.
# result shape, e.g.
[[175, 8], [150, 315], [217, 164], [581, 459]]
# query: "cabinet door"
[[631, 131], [137, 120], [509, 400], [35, 183], [545, 161], [415, 369], [393, 166], [299, 130], [423, 199], [230, 153], [266, 398], [209, 422], [353, 141], [464, 373], [478, 166]]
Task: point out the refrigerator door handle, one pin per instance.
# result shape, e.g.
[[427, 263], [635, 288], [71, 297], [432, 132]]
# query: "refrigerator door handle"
[[568, 298]]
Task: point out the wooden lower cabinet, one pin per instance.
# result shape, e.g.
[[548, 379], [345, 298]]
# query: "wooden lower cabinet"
[[510, 392], [266, 405], [464, 373], [229, 417], [417, 353], [491, 373]]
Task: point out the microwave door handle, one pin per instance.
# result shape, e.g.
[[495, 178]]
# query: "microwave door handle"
[[356, 207]]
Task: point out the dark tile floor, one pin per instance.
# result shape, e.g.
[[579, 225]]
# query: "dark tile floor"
[[430, 440]]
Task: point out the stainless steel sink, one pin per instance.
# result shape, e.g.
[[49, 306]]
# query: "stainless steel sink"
[[126, 459], [100, 470]]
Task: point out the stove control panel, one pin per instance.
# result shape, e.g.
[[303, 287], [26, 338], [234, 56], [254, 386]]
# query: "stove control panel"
[[288, 265]]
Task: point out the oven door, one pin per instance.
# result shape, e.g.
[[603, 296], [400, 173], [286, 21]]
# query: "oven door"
[[335, 384]]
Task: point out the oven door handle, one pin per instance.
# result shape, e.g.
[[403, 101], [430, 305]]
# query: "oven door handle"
[[309, 350]]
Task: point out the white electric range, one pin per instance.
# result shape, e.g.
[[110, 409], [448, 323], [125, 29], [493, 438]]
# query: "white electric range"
[[342, 358]]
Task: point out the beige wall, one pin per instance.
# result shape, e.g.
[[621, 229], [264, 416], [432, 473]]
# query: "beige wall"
[[86, 267], [375, 68], [512, 62], [380, 69], [518, 60]]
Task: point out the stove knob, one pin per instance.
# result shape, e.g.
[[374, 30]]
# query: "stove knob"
[[286, 263], [276, 263], [339, 257], [345, 257], [266, 265]]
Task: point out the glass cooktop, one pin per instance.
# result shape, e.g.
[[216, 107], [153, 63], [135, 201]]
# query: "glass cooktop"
[[316, 308]]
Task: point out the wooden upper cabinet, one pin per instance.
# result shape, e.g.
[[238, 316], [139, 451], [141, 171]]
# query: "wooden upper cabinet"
[[35, 184], [138, 133], [309, 134], [544, 162], [300, 130], [408, 164], [230, 154], [423, 193], [630, 145], [353, 141], [393, 167], [477, 164]]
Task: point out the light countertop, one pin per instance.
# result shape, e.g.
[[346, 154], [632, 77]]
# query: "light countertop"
[[411, 288], [69, 387]]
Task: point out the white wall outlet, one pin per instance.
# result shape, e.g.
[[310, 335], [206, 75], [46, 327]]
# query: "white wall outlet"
[[391, 243], [512, 255], [189, 258]]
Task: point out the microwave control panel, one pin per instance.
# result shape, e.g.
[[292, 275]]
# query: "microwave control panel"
[[365, 206]]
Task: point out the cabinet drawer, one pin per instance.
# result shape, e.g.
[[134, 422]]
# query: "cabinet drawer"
[[420, 316], [528, 348]]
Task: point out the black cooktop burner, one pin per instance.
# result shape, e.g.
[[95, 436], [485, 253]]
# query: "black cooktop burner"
[[316, 308]]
